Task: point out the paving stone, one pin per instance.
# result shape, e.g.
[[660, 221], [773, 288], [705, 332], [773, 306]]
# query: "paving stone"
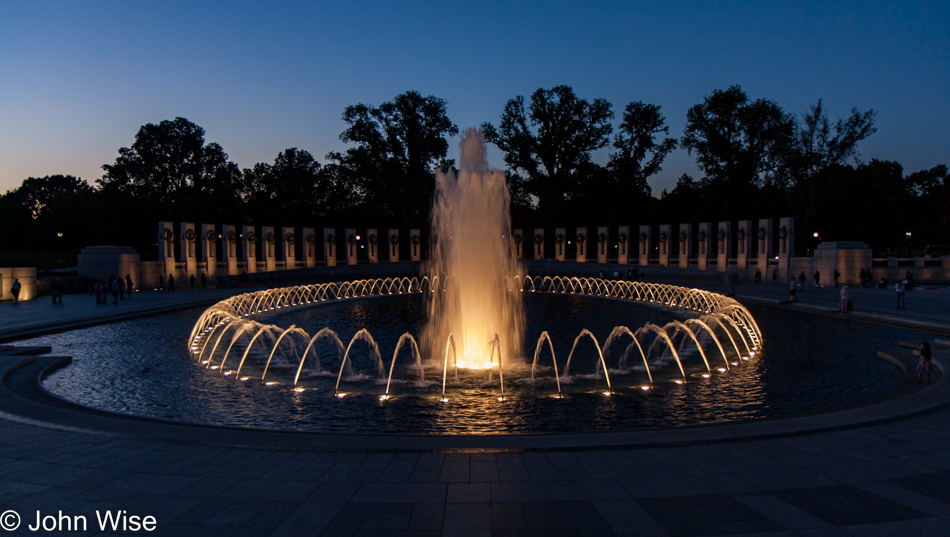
[[846, 505], [710, 514], [468, 493]]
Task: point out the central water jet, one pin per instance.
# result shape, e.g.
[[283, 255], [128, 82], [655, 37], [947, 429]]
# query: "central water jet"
[[472, 266]]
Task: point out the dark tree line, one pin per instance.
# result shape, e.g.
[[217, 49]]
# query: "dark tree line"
[[756, 161]]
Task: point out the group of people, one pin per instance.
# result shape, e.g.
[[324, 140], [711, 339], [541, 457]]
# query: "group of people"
[[632, 274], [120, 289], [758, 275]]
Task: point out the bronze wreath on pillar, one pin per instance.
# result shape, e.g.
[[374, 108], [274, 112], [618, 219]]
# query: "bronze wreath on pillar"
[[622, 238], [232, 237], [331, 239], [581, 238], [415, 239], [372, 239], [761, 232], [190, 235], [539, 239], [269, 237], [168, 235], [559, 238], [643, 237], [783, 233], [702, 236], [663, 236], [601, 238], [251, 237], [211, 235], [683, 236], [290, 238], [394, 239]]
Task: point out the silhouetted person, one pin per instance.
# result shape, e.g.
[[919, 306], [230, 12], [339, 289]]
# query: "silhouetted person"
[[115, 290], [191, 281], [758, 275], [204, 281], [836, 275], [925, 358], [171, 283], [128, 285], [161, 284], [792, 287], [817, 278], [900, 287], [15, 289], [801, 280]]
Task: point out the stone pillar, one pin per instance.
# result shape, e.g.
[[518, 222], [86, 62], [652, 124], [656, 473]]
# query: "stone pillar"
[[166, 247], [329, 246], [209, 250], [664, 243], [539, 243], [289, 241], [519, 243], [603, 242], [723, 246], [352, 245], [644, 240], [270, 247], [704, 241], [560, 244], [229, 238], [786, 247], [393, 242], [189, 247], [415, 245], [623, 245], [764, 248], [743, 244], [581, 239], [686, 245], [309, 247], [249, 240], [372, 243]]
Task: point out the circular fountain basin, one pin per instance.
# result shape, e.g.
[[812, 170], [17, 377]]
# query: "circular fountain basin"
[[141, 367]]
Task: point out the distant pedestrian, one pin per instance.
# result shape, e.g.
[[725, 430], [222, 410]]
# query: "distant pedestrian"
[[161, 284], [845, 300], [900, 287], [191, 281], [837, 275], [15, 289], [115, 291], [171, 283], [97, 288], [204, 281], [56, 291], [121, 288], [802, 279], [817, 278], [925, 359], [792, 288], [128, 285], [758, 275], [774, 275]]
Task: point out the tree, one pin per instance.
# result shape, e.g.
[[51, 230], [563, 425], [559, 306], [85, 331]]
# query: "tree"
[[287, 190], [735, 139], [637, 140], [398, 146], [816, 145], [170, 168], [551, 141]]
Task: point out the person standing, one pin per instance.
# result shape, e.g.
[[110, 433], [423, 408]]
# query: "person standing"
[[128, 285], [792, 288], [801, 280], [758, 275], [171, 283], [836, 276], [115, 290], [774, 275], [817, 278], [845, 299], [900, 288], [97, 287], [161, 284], [192, 282], [925, 359], [15, 289], [204, 281], [863, 278]]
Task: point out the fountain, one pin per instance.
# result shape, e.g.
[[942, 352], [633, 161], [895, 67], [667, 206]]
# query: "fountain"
[[473, 289]]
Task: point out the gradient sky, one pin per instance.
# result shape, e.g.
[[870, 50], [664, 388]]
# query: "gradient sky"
[[78, 78]]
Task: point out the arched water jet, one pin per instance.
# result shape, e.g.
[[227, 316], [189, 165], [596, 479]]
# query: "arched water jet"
[[415, 350], [496, 346], [685, 328], [663, 336], [615, 334], [247, 351], [586, 332], [445, 361], [716, 319], [537, 351], [322, 333], [712, 334], [374, 351], [293, 328]]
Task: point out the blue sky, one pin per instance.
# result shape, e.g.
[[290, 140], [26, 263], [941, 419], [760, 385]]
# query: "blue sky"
[[78, 79]]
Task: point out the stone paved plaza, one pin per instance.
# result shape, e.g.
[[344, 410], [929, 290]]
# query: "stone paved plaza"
[[887, 478]]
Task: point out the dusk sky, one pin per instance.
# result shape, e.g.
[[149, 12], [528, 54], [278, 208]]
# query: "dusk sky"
[[78, 78]]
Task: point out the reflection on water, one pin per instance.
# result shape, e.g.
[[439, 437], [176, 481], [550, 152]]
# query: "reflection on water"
[[140, 367]]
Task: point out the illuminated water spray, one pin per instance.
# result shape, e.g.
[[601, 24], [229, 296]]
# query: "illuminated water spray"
[[472, 267]]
